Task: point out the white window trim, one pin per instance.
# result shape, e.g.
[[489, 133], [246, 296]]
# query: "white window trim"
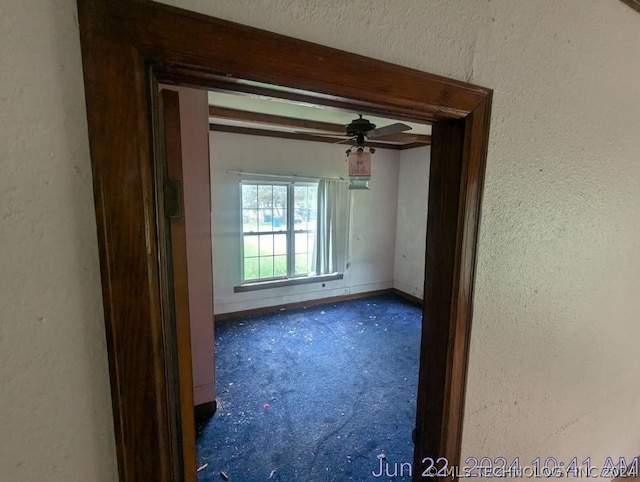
[[280, 281]]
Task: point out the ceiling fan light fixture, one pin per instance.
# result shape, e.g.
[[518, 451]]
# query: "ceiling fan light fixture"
[[360, 150], [359, 161], [359, 155], [359, 184]]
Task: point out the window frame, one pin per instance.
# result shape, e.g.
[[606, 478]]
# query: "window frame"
[[290, 233]]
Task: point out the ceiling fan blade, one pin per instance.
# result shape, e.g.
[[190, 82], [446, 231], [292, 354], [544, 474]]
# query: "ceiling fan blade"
[[399, 138], [326, 136], [387, 130]]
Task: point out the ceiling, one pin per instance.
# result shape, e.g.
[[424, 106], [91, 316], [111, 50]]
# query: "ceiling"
[[262, 112]]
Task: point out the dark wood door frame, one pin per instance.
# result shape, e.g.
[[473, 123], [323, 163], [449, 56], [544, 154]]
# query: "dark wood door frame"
[[127, 46]]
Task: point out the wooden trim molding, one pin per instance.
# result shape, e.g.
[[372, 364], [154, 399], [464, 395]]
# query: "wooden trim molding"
[[410, 298], [277, 120], [127, 46], [635, 4], [300, 304], [299, 136], [326, 128], [279, 283]]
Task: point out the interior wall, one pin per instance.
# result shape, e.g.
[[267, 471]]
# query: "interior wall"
[[372, 216], [194, 126], [554, 357], [55, 401], [411, 226]]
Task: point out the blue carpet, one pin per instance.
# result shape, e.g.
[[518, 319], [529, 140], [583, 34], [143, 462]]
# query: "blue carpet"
[[314, 394]]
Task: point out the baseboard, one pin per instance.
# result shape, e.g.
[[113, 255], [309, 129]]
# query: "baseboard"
[[413, 299], [203, 412], [303, 304]]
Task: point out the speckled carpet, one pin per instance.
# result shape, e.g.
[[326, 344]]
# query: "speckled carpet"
[[314, 394]]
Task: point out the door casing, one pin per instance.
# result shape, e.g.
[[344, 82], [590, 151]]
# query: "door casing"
[[127, 47]]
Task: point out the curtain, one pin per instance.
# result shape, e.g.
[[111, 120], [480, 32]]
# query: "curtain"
[[333, 227]]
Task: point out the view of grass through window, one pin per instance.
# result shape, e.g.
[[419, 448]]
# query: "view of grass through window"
[[279, 222]]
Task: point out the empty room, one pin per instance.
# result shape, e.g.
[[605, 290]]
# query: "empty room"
[[317, 246]]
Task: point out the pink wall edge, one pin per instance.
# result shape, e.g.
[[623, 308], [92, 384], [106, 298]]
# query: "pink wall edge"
[[194, 121]]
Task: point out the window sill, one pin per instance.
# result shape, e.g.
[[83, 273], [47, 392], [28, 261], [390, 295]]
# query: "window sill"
[[262, 285]]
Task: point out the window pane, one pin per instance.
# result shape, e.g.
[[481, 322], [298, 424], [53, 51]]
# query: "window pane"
[[305, 242], [279, 197], [265, 219], [249, 196], [280, 219], [312, 220], [313, 197], [250, 246], [265, 196], [266, 244], [249, 220], [279, 208], [266, 267], [266, 215], [249, 207], [280, 265], [279, 222], [280, 244], [302, 264], [311, 242], [250, 268], [306, 206], [300, 196], [301, 243]]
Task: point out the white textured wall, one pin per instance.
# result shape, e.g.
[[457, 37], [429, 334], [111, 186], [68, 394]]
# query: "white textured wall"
[[554, 351], [373, 224], [554, 356], [55, 407], [411, 227]]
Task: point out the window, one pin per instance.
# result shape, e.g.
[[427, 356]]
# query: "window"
[[279, 224]]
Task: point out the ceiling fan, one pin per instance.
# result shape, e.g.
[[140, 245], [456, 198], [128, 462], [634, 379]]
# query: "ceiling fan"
[[360, 129]]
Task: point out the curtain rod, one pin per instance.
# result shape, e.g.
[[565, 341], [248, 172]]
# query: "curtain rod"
[[291, 176]]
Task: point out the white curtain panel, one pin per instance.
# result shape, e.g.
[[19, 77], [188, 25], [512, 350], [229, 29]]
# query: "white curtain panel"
[[333, 227]]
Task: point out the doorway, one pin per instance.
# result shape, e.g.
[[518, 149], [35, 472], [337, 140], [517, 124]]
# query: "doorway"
[[273, 145], [128, 45]]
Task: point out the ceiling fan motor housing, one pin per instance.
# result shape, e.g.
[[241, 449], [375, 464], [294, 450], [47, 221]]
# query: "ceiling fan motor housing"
[[359, 126]]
